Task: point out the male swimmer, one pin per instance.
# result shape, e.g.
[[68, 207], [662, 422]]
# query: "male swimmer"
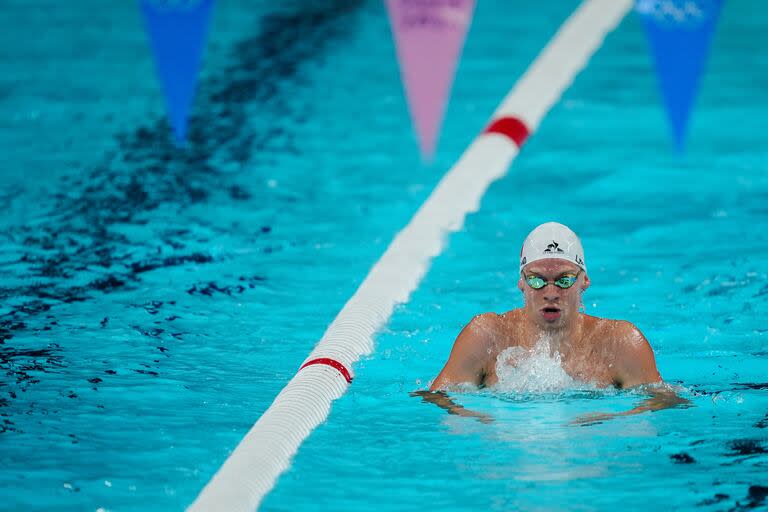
[[553, 275]]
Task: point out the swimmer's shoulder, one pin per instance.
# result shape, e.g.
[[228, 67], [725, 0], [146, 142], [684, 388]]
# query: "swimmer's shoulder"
[[492, 329], [630, 340], [512, 318], [617, 337], [485, 326], [468, 361], [632, 353], [506, 323], [623, 332], [618, 331], [495, 320], [490, 334]]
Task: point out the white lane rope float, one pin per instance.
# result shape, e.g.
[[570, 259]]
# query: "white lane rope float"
[[265, 452]]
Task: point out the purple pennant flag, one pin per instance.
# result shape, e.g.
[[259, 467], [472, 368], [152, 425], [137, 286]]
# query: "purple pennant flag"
[[679, 32], [177, 30], [429, 36]]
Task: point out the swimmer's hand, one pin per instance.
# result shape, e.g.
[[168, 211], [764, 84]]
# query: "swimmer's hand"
[[442, 400], [662, 397], [594, 418]]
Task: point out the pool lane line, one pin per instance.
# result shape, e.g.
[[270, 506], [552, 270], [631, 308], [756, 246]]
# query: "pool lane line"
[[333, 364], [265, 452]]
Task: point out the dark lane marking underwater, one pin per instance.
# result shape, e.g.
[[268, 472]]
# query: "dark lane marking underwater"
[[756, 497], [147, 171]]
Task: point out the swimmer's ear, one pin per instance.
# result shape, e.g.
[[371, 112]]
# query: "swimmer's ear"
[[586, 282]]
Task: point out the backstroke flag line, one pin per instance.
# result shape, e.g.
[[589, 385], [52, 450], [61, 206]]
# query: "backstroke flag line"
[[679, 33], [177, 32], [429, 37]]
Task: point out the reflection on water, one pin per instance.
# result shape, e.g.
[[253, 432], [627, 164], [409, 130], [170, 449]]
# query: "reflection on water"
[[532, 437]]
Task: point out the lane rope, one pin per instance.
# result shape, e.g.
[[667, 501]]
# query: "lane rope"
[[333, 364], [512, 127], [265, 452]]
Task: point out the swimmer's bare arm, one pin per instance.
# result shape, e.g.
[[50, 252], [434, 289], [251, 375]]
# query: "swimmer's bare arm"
[[442, 400], [466, 364], [469, 356], [636, 365]]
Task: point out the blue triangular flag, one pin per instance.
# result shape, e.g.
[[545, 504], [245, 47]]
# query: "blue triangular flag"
[[679, 32], [177, 30]]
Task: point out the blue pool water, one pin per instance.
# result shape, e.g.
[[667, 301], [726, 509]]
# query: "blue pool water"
[[154, 301]]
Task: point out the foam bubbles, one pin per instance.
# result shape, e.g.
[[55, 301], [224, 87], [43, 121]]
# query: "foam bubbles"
[[536, 370]]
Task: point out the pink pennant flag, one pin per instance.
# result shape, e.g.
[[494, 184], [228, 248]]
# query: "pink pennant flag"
[[429, 36]]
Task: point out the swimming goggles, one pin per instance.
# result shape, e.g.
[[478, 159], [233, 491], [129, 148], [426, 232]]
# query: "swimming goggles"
[[564, 281]]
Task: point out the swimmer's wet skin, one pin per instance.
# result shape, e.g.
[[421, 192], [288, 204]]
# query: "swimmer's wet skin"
[[602, 352]]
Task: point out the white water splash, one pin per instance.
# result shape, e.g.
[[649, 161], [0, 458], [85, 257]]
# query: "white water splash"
[[536, 370]]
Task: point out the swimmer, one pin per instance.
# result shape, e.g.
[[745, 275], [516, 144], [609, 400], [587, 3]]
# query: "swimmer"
[[553, 276]]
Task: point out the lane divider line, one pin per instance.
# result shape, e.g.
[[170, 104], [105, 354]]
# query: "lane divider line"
[[265, 452], [332, 363], [512, 127]]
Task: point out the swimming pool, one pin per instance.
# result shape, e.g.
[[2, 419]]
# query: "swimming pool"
[[157, 303]]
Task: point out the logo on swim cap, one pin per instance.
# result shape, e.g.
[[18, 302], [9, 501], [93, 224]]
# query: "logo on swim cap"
[[553, 248], [552, 240]]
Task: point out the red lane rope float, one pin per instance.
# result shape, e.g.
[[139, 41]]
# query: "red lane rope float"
[[512, 127], [330, 362]]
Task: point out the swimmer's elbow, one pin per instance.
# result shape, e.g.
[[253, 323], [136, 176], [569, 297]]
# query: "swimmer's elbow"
[[634, 381], [464, 366], [454, 375], [441, 382]]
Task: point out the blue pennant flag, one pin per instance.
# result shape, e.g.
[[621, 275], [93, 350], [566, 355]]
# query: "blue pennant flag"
[[679, 32], [177, 30]]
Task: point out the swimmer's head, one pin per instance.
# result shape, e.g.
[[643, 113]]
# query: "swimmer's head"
[[552, 240], [553, 275]]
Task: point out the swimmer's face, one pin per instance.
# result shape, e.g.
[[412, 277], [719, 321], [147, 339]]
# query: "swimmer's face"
[[552, 307]]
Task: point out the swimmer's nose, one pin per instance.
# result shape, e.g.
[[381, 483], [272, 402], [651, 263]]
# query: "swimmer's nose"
[[551, 294]]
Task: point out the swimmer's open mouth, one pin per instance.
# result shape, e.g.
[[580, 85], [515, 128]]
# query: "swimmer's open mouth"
[[551, 313]]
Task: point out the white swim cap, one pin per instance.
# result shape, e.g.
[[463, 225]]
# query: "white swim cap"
[[552, 240]]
